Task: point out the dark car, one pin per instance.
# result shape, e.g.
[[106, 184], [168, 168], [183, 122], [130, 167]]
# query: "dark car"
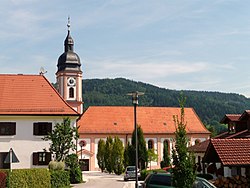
[[164, 180]]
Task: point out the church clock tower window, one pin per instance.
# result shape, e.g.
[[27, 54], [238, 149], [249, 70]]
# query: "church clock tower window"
[[69, 74], [71, 92]]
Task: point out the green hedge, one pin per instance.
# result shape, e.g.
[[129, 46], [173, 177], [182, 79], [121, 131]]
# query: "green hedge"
[[60, 179], [26, 178]]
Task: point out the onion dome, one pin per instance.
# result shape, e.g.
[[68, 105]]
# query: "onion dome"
[[69, 60]]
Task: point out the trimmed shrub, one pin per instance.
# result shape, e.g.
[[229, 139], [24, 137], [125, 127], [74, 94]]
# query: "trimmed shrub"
[[3, 177], [35, 178], [52, 165], [55, 165], [59, 179]]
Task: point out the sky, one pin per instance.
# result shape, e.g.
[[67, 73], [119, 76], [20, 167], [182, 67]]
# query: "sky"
[[175, 44]]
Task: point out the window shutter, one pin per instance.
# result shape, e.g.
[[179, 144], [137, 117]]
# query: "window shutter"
[[13, 129], [49, 127], [47, 158], [35, 129], [35, 159]]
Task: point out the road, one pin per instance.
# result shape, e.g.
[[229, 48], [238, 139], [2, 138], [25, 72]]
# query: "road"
[[104, 180]]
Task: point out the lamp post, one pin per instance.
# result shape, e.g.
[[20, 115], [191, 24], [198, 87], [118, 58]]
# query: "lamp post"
[[135, 96]]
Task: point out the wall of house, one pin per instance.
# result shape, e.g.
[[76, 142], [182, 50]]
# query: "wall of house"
[[93, 139], [24, 143]]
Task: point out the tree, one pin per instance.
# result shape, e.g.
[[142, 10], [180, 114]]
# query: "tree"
[[142, 150], [74, 168], [183, 171], [62, 139], [108, 154], [101, 154], [166, 158], [152, 156], [117, 156], [129, 155]]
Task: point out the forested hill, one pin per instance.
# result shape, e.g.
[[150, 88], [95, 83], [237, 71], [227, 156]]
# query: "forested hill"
[[210, 106]]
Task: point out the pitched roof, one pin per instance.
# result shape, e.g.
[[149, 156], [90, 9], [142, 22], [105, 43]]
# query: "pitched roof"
[[200, 147], [120, 119], [230, 117], [30, 95], [230, 151]]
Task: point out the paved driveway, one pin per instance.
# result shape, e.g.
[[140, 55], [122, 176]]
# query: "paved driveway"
[[103, 180]]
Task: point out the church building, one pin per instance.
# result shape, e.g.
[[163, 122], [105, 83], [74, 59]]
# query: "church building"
[[30, 107], [99, 122]]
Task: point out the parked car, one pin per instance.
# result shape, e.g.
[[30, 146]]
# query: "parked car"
[[130, 173], [164, 180]]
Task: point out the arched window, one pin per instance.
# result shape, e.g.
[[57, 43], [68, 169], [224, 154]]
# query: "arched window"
[[150, 144], [166, 145], [71, 92]]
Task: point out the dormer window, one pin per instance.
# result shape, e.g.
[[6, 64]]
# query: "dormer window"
[[231, 128]]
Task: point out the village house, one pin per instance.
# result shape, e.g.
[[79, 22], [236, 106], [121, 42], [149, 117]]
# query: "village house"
[[29, 108]]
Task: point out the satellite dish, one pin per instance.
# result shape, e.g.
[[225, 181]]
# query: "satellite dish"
[[42, 71]]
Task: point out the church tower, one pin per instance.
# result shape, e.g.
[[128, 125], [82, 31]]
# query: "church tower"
[[69, 75]]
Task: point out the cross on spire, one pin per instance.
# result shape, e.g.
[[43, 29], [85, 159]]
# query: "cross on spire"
[[68, 25]]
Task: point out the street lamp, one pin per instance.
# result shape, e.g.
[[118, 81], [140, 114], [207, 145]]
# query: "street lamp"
[[135, 96]]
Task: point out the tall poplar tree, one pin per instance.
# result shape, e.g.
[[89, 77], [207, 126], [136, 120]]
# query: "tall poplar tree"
[[117, 156], [183, 161], [101, 154], [108, 154], [142, 149], [166, 157]]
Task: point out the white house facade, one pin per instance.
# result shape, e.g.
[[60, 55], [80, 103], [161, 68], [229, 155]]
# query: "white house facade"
[[29, 108]]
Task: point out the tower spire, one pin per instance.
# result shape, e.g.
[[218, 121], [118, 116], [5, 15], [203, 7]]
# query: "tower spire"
[[68, 43]]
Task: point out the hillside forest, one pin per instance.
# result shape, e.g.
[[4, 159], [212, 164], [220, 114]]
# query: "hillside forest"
[[210, 106]]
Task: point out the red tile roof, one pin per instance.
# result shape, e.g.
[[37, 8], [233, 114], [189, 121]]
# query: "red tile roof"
[[120, 119], [30, 95], [232, 151]]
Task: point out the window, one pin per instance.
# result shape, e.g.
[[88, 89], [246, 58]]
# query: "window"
[[7, 128], [150, 144], [41, 158], [71, 92], [197, 141], [166, 145], [42, 128]]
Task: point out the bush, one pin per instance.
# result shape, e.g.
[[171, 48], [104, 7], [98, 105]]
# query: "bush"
[[35, 178], [59, 179], [3, 177], [55, 165], [74, 168]]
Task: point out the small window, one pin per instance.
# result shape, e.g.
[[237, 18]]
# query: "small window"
[[7, 128], [42, 128], [41, 158], [197, 141], [150, 144], [71, 92]]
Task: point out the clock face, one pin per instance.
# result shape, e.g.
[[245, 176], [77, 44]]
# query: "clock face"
[[71, 81]]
